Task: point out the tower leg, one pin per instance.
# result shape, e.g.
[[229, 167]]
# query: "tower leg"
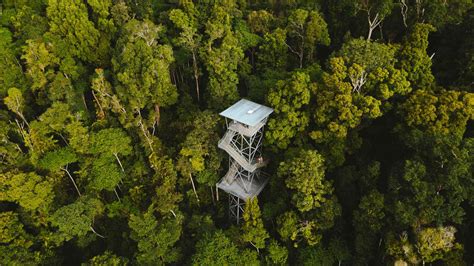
[[236, 208]]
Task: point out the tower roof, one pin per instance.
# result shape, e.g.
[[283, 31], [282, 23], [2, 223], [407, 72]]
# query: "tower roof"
[[247, 112]]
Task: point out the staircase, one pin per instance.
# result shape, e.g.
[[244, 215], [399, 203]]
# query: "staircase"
[[229, 177], [225, 144]]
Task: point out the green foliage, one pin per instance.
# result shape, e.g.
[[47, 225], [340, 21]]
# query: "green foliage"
[[58, 159], [253, 230], [141, 65], [433, 242], [107, 258], [306, 28], [369, 146], [76, 219], [222, 54], [289, 98], [305, 174], [29, 190], [198, 154], [414, 59], [111, 141], [217, 249], [16, 243], [69, 20], [11, 74], [155, 238], [277, 255]]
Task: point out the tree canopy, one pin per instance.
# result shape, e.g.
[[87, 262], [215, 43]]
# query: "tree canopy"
[[110, 125]]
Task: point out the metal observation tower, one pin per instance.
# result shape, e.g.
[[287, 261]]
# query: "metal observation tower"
[[243, 142]]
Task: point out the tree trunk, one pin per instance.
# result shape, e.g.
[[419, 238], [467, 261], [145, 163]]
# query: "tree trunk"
[[212, 195], [99, 235], [72, 179], [120, 163], [116, 194], [196, 75], [194, 188], [101, 110]]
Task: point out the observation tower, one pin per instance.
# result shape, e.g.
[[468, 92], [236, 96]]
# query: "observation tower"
[[244, 180]]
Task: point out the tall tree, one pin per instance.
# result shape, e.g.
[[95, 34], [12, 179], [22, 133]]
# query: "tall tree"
[[76, 219], [289, 98], [414, 58], [141, 67], [186, 19], [307, 28], [253, 229], [69, 23], [222, 54], [29, 190], [376, 11], [156, 238]]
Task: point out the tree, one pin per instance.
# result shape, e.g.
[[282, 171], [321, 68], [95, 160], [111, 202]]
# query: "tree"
[[198, 154], [254, 231], [413, 57], [11, 73], [217, 249], [156, 238], [141, 67], [29, 190], [260, 21], [308, 28], [355, 90], [40, 62], [305, 174], [291, 227], [277, 254], [69, 21], [105, 174], [104, 96], [433, 243], [221, 55], [59, 160], [16, 245], [76, 219], [15, 102], [108, 258], [437, 12], [289, 98], [368, 222], [272, 52], [376, 10], [186, 20], [165, 179], [111, 141]]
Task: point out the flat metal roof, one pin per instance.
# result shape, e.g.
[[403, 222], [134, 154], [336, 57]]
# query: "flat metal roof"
[[247, 112]]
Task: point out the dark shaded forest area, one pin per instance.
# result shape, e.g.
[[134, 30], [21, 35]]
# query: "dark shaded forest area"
[[109, 125]]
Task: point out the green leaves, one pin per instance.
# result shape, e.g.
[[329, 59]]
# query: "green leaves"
[[69, 20], [253, 230], [110, 142], [413, 57], [142, 67], [305, 174], [217, 249], [289, 98], [57, 159], [155, 238], [76, 219], [307, 28], [434, 242], [29, 190]]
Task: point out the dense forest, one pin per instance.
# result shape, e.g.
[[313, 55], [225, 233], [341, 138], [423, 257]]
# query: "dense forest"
[[109, 124]]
